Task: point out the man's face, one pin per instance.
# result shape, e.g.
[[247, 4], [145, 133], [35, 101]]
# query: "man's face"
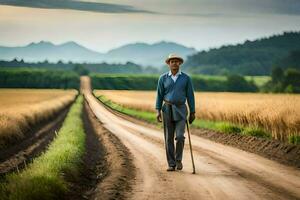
[[174, 64]]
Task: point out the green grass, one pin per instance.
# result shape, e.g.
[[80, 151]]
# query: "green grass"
[[255, 131], [230, 128], [258, 80], [222, 126], [44, 178], [210, 77], [294, 139]]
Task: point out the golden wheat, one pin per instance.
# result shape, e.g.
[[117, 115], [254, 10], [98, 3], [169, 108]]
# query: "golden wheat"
[[276, 113], [22, 108]]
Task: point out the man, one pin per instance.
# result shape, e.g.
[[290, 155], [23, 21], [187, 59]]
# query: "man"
[[174, 88]]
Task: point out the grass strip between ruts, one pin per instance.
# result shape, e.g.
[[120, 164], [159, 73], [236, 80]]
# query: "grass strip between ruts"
[[44, 178]]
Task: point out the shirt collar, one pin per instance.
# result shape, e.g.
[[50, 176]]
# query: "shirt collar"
[[178, 73]]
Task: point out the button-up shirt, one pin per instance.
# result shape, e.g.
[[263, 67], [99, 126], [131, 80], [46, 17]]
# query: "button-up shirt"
[[176, 92], [174, 77]]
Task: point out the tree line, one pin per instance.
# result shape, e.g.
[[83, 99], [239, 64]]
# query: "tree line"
[[38, 78], [283, 81], [285, 75], [233, 83], [250, 58], [127, 68], [287, 80]]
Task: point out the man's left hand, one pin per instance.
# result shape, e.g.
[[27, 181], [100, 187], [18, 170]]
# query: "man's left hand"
[[191, 118]]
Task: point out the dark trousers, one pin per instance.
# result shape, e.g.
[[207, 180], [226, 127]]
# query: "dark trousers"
[[173, 129]]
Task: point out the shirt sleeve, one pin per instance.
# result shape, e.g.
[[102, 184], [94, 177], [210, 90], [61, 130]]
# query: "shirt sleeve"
[[160, 93], [190, 95]]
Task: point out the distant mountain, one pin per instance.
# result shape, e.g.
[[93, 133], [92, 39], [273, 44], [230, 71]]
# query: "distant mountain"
[[69, 51], [249, 58], [140, 53], [148, 54]]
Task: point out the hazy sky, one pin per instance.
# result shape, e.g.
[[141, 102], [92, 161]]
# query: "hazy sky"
[[102, 25]]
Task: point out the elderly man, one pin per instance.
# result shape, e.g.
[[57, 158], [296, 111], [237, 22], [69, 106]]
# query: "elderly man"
[[174, 88]]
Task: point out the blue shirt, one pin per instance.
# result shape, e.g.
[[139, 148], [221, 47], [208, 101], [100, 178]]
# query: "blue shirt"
[[176, 92]]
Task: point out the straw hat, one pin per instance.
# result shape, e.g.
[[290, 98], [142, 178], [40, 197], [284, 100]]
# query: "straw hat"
[[174, 56]]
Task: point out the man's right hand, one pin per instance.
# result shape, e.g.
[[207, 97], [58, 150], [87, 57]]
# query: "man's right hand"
[[158, 116]]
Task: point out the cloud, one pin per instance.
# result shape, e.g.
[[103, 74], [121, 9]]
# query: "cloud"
[[74, 5], [286, 7], [230, 8]]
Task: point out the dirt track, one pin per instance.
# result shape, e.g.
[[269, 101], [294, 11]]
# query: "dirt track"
[[16, 157], [102, 174], [222, 172]]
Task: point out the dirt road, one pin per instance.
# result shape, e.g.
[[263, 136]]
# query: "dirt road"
[[222, 172]]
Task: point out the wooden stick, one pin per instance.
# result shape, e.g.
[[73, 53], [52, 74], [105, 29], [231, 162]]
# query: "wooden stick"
[[191, 150]]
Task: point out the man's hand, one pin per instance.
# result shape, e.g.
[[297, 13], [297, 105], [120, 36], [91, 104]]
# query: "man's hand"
[[192, 117], [158, 116]]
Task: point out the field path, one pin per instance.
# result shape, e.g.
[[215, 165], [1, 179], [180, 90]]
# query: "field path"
[[222, 172]]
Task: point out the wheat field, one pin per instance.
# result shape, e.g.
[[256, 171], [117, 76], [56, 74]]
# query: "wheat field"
[[22, 108], [278, 114]]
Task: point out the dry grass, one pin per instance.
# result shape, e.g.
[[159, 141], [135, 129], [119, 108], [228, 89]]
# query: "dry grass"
[[22, 108], [276, 113]]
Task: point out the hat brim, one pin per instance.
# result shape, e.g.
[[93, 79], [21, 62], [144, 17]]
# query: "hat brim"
[[178, 58]]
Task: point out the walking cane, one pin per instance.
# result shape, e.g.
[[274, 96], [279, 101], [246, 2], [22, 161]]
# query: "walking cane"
[[191, 150]]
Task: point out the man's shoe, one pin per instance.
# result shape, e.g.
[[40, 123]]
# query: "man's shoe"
[[171, 169], [179, 165]]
